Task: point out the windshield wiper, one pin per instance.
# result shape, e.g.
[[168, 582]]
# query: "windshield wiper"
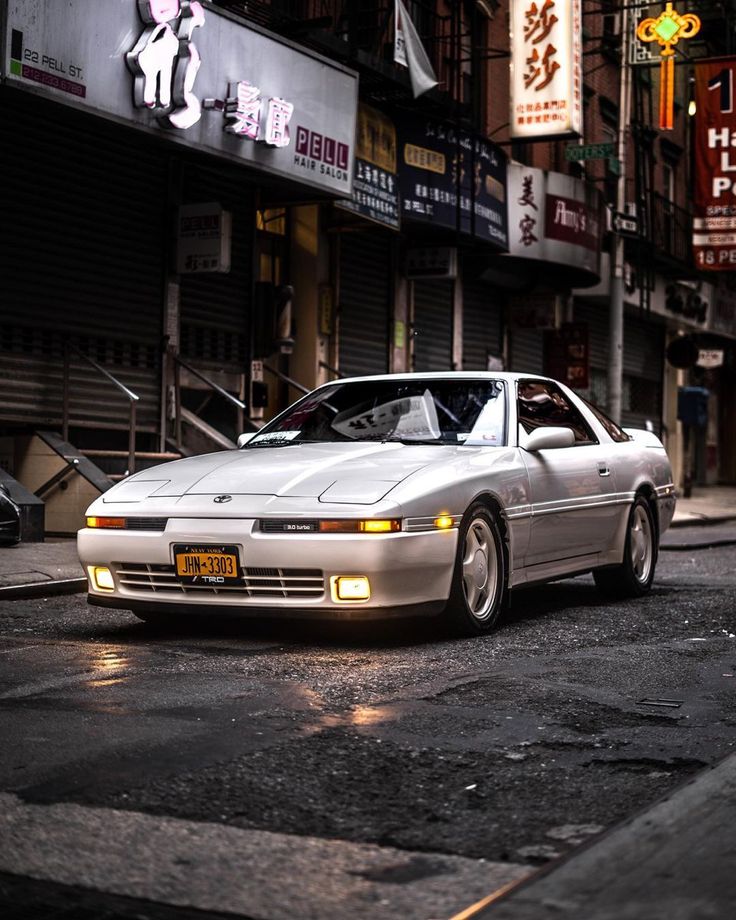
[[282, 443], [413, 441]]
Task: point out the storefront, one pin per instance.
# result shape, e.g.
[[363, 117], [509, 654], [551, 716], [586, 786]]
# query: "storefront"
[[142, 149], [555, 231]]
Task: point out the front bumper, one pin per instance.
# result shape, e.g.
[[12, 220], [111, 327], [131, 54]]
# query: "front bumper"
[[282, 573]]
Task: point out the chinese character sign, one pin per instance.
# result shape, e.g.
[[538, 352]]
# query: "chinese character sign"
[[546, 68], [165, 61], [714, 193]]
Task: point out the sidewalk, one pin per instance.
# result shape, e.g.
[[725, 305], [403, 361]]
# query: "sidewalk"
[[38, 569], [673, 861]]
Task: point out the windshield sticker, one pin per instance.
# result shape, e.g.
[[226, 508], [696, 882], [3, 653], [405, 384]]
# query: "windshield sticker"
[[408, 416], [273, 436]]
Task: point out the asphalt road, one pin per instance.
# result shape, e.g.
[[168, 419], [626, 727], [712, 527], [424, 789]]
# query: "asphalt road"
[[298, 770]]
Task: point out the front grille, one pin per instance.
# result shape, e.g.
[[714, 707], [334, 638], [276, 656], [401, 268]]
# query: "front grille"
[[142, 523], [144, 578]]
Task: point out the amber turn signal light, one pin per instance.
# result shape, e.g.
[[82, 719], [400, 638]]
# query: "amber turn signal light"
[[111, 523], [371, 526]]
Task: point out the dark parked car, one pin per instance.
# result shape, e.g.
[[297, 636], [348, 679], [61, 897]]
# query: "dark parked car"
[[9, 518]]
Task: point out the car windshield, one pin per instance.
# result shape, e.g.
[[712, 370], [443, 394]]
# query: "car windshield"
[[471, 412]]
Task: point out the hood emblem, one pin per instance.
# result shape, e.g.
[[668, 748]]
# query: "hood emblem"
[[222, 498]]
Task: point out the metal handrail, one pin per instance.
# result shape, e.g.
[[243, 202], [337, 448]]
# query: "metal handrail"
[[211, 383], [332, 370], [132, 397], [233, 400], [289, 380]]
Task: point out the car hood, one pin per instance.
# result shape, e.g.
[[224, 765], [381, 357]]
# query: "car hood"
[[346, 472]]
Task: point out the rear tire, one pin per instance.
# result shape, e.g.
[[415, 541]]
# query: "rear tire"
[[634, 577], [479, 579]]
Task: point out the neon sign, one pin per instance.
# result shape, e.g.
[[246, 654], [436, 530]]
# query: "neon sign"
[[165, 61], [667, 29]]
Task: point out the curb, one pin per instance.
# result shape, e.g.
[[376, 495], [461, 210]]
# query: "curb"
[[703, 521], [44, 588], [503, 895], [688, 547]]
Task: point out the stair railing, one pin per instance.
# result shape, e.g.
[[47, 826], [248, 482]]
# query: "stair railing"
[[233, 400], [289, 380], [132, 398]]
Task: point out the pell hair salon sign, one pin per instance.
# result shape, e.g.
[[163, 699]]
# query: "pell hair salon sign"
[[197, 75]]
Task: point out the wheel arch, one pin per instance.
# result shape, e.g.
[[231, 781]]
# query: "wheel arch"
[[647, 491], [494, 505]]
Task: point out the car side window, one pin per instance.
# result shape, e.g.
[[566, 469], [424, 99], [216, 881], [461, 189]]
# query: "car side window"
[[542, 404], [615, 432]]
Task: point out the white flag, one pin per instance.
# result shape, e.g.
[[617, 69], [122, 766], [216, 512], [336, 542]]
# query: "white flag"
[[409, 52]]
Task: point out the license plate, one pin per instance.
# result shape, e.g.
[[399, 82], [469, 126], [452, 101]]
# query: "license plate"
[[207, 565]]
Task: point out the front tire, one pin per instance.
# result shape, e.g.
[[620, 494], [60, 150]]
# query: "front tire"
[[479, 579], [634, 577]]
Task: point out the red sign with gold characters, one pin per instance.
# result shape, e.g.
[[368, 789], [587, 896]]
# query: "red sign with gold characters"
[[714, 212]]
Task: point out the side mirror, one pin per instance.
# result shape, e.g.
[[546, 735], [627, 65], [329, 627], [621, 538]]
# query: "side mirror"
[[546, 438], [245, 437]]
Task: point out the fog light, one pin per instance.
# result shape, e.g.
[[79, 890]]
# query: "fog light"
[[101, 577], [351, 588]]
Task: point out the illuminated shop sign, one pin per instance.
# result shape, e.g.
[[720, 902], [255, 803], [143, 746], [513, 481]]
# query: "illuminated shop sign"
[[714, 191], [554, 218], [165, 60], [546, 68], [207, 79]]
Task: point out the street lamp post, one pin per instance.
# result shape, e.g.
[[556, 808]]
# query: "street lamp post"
[[616, 315]]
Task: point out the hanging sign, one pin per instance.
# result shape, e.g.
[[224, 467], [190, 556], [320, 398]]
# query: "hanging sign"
[[546, 68], [714, 193], [375, 186], [667, 30], [204, 239], [452, 179]]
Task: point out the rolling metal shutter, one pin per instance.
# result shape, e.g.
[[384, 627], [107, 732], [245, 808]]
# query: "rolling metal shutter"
[[215, 308], [596, 318], [83, 260], [643, 373], [366, 273], [527, 350], [481, 325], [433, 325]]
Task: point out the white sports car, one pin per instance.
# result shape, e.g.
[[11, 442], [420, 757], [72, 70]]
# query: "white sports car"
[[399, 494]]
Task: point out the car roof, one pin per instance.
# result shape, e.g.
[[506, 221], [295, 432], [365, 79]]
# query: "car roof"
[[442, 375]]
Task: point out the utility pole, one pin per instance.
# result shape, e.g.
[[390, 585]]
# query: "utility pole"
[[616, 315]]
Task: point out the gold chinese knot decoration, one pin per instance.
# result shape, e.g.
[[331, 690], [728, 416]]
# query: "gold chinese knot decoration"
[[667, 29]]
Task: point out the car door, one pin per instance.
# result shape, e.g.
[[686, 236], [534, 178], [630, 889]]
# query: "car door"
[[573, 489]]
